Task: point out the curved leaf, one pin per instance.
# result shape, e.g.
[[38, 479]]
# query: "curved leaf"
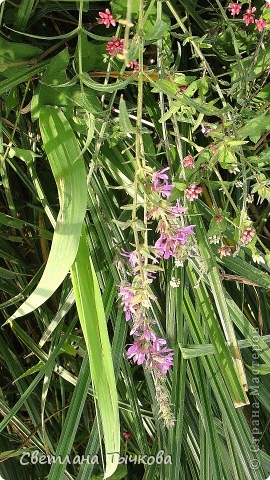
[[62, 149]]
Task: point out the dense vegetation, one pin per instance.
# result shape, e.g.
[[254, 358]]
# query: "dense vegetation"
[[134, 248]]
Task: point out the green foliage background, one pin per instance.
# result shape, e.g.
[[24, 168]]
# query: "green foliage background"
[[69, 123]]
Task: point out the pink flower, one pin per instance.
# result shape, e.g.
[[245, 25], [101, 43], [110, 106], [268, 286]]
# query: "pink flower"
[[161, 359], [134, 65], [115, 46], [150, 352], [193, 192], [218, 219], [166, 244], [188, 162], [224, 251], [235, 8], [267, 4], [132, 256], [261, 24], [106, 18], [249, 17], [126, 293], [247, 235], [160, 183]]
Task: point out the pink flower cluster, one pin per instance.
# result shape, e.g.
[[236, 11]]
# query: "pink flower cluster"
[[224, 251], [116, 45], [247, 235], [168, 242], [249, 16], [151, 350], [106, 18], [193, 192]]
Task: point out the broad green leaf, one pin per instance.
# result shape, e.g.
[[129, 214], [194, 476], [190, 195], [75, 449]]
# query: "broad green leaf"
[[11, 52], [124, 117], [62, 149], [92, 317]]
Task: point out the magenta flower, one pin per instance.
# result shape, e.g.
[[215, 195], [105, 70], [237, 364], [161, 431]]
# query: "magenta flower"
[[160, 183], [132, 256], [193, 192], [126, 294], [162, 359], [115, 46], [261, 24], [138, 352], [106, 18], [235, 8], [152, 354], [166, 245], [249, 16]]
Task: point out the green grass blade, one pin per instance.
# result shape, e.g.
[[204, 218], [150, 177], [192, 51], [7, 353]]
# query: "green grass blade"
[[93, 322], [62, 149]]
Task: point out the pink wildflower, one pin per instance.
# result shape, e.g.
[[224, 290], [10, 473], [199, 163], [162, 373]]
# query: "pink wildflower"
[[127, 435], [235, 8], [106, 18], [127, 294], [134, 65], [218, 219], [115, 46], [261, 24], [166, 244], [149, 351], [224, 251], [160, 183], [188, 162], [249, 16], [193, 192], [132, 256], [267, 4], [247, 235]]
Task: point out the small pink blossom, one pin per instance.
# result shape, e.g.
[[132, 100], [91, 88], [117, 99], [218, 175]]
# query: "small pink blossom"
[[214, 148], [218, 219], [167, 243], [224, 251], [160, 183], [115, 46], [247, 235], [249, 16], [267, 4], [261, 24], [193, 192], [235, 8], [152, 351], [132, 256], [126, 293], [106, 18], [127, 435], [134, 65], [188, 162]]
